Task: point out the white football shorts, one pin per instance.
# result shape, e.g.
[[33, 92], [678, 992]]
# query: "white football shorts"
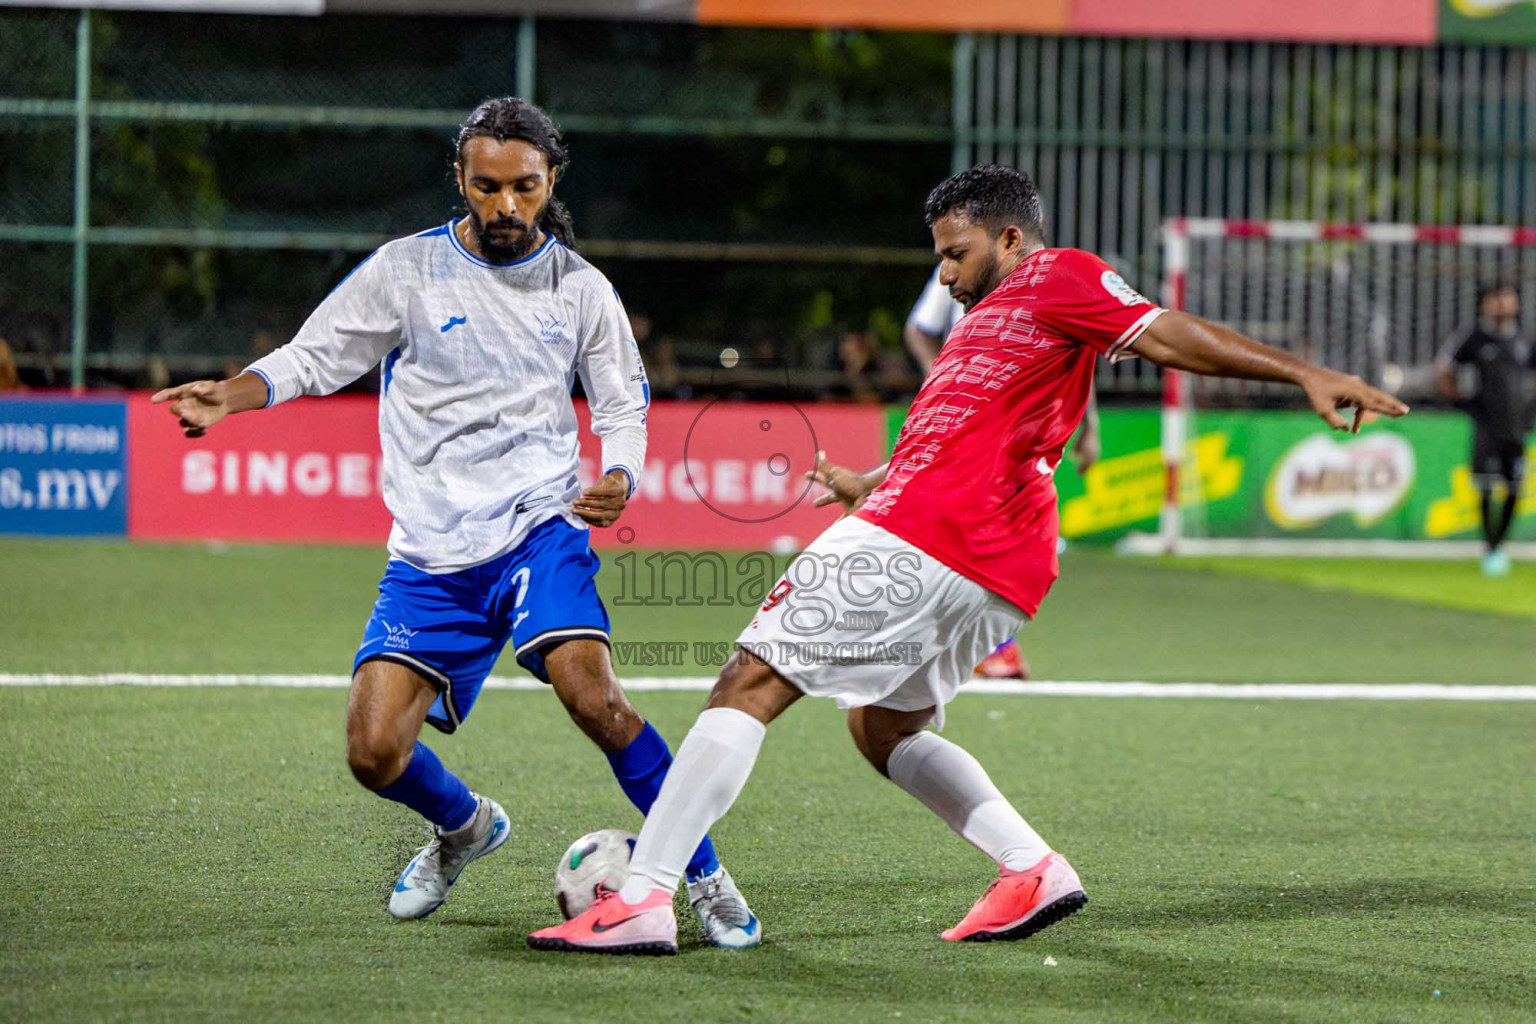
[[863, 617]]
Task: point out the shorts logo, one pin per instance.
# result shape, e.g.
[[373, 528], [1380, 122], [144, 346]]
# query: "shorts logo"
[[778, 593], [399, 637]]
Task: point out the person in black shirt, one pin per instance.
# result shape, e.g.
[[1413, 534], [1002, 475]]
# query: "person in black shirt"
[[1501, 407]]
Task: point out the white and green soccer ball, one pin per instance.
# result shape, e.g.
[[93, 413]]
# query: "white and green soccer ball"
[[598, 860]]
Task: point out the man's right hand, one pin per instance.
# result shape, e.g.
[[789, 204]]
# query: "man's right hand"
[[843, 484], [197, 406], [1329, 391]]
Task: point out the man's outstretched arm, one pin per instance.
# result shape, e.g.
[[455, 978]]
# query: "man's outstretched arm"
[[202, 403], [1180, 341]]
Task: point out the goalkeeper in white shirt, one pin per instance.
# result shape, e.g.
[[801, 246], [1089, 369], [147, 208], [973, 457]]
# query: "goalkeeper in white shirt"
[[482, 326]]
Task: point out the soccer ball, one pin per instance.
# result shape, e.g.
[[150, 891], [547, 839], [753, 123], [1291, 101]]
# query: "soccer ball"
[[596, 860]]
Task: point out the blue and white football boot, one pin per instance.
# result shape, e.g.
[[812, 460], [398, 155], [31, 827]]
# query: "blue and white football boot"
[[423, 885], [723, 913]]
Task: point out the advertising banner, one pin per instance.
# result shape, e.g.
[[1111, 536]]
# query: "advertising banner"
[[1488, 22], [1045, 16], [718, 474], [1408, 22], [63, 466], [732, 474], [308, 470], [1284, 474]]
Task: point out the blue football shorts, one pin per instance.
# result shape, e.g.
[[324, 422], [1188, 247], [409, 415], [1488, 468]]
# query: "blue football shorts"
[[451, 627]]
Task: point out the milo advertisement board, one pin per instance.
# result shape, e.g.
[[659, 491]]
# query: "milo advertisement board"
[[1284, 474]]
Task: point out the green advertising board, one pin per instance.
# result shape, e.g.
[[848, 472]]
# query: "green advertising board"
[[1283, 474], [1488, 22]]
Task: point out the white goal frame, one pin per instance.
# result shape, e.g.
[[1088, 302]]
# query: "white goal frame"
[[1177, 232]]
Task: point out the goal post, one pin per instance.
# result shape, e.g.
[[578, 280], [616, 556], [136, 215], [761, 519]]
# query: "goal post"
[[1375, 299]]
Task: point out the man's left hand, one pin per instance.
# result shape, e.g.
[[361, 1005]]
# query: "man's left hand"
[[603, 502]]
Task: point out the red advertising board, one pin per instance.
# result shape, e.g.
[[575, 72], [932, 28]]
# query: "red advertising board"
[[1409, 22], [305, 471], [718, 474]]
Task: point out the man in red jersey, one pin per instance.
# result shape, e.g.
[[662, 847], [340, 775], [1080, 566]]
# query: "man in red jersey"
[[947, 550]]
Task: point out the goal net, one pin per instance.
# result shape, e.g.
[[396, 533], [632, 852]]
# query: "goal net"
[[1377, 300]]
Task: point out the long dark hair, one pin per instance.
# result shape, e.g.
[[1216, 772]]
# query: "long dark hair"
[[508, 117]]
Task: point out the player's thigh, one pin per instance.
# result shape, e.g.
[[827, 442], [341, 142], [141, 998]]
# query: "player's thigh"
[[547, 595], [435, 625], [749, 684], [864, 617], [877, 731], [386, 708], [976, 621]]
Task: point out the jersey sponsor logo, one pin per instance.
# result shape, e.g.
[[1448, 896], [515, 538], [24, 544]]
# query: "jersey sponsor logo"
[[531, 504], [453, 321], [399, 637], [1116, 286], [550, 329]]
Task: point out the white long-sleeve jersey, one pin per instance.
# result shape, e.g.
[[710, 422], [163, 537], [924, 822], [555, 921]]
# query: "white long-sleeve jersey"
[[476, 423]]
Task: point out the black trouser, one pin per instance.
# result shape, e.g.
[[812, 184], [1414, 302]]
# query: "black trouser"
[[1497, 457]]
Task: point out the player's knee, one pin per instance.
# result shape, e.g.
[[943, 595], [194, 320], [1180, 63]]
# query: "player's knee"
[[877, 732], [876, 749], [376, 755]]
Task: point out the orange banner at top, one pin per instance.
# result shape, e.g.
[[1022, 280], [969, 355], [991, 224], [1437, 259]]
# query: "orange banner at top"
[[1405, 22], [1046, 16]]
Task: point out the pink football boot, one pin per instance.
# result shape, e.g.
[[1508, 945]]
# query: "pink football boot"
[[647, 928], [1020, 903]]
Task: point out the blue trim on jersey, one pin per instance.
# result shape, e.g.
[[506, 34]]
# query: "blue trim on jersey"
[[627, 472], [268, 382], [441, 229], [452, 228], [389, 366], [351, 272]]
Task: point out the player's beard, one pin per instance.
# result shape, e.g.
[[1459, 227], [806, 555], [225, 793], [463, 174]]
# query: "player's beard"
[[987, 278], [500, 241]]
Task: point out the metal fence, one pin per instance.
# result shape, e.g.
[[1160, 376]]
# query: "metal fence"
[[179, 189], [1122, 134]]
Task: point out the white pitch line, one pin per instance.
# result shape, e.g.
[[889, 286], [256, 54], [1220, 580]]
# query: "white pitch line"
[[988, 687]]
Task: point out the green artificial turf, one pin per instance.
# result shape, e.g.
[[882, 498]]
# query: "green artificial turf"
[[203, 855], [73, 606], [1449, 584]]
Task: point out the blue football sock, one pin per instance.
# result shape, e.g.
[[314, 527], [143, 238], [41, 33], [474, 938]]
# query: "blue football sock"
[[432, 791], [640, 768]]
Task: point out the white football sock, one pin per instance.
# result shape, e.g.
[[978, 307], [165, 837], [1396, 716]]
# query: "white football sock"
[[706, 776], [953, 784]]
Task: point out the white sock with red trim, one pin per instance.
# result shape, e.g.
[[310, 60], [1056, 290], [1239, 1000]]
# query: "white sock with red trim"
[[707, 775], [953, 784]]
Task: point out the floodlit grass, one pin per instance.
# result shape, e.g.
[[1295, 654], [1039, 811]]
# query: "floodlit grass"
[[1459, 585], [204, 855]]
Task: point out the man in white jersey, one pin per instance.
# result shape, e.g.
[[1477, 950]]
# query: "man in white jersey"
[[482, 326]]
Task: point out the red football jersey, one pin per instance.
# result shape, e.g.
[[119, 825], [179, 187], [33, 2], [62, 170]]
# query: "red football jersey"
[[971, 479]]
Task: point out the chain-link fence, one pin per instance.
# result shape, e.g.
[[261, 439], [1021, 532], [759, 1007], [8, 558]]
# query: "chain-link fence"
[[746, 187]]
